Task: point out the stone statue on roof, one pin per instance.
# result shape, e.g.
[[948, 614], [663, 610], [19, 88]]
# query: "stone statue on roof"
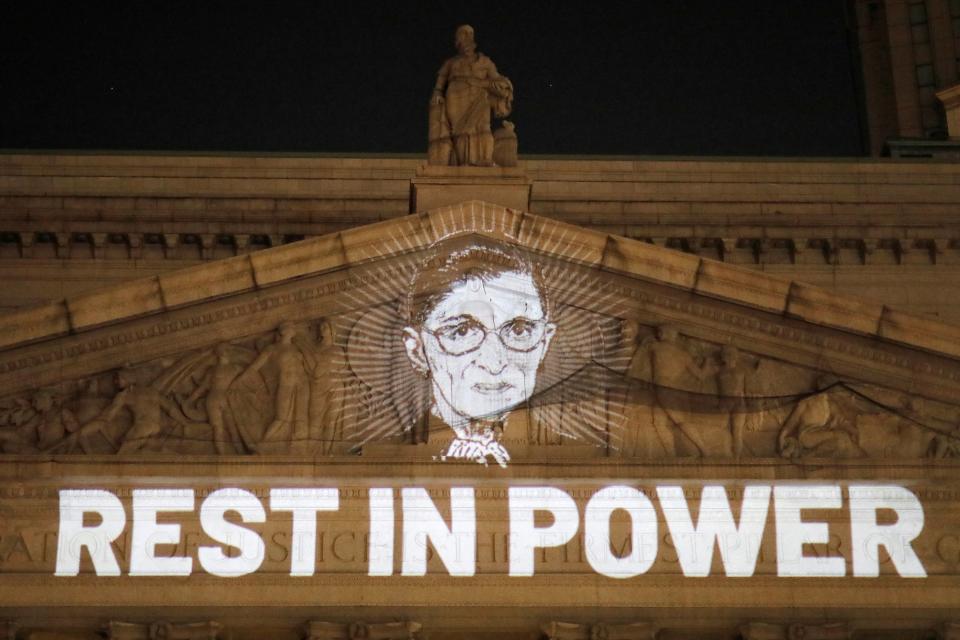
[[469, 88]]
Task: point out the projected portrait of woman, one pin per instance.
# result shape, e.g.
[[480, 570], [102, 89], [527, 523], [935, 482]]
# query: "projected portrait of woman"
[[478, 328]]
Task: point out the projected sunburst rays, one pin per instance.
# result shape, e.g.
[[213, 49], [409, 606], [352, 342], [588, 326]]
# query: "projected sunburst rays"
[[388, 399]]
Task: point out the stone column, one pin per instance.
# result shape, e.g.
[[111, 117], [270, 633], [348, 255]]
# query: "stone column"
[[904, 70], [941, 42], [951, 105], [881, 102]]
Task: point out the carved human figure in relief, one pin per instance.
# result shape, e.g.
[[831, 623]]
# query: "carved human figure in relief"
[[148, 410], [54, 422], [676, 373], [643, 436], [289, 429], [468, 88], [479, 328], [817, 427], [732, 390], [322, 359], [946, 445], [229, 437], [40, 423]]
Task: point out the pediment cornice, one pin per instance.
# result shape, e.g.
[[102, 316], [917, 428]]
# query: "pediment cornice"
[[167, 314]]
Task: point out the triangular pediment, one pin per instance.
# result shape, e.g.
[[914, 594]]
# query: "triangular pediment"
[[302, 349]]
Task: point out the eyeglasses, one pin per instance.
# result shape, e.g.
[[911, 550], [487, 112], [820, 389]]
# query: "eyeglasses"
[[468, 333]]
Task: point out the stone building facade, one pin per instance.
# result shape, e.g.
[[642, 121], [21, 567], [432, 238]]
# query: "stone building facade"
[[910, 53], [880, 229], [246, 397]]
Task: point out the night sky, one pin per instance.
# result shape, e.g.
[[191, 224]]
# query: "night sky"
[[675, 77]]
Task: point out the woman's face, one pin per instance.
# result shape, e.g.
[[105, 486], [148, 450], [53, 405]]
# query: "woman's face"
[[483, 343]]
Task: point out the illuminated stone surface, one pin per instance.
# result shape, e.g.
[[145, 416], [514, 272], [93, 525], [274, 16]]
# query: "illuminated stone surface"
[[287, 369]]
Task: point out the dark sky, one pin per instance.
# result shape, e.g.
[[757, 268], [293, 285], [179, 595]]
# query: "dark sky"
[[680, 77]]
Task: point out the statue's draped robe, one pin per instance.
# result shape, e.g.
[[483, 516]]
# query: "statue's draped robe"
[[473, 89]]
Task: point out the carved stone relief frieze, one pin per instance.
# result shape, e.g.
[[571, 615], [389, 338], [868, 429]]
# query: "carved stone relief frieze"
[[569, 356], [332, 385], [276, 393], [401, 630], [693, 398], [598, 631]]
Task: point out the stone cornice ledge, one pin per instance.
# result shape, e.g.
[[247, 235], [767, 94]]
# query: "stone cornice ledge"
[[333, 252]]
